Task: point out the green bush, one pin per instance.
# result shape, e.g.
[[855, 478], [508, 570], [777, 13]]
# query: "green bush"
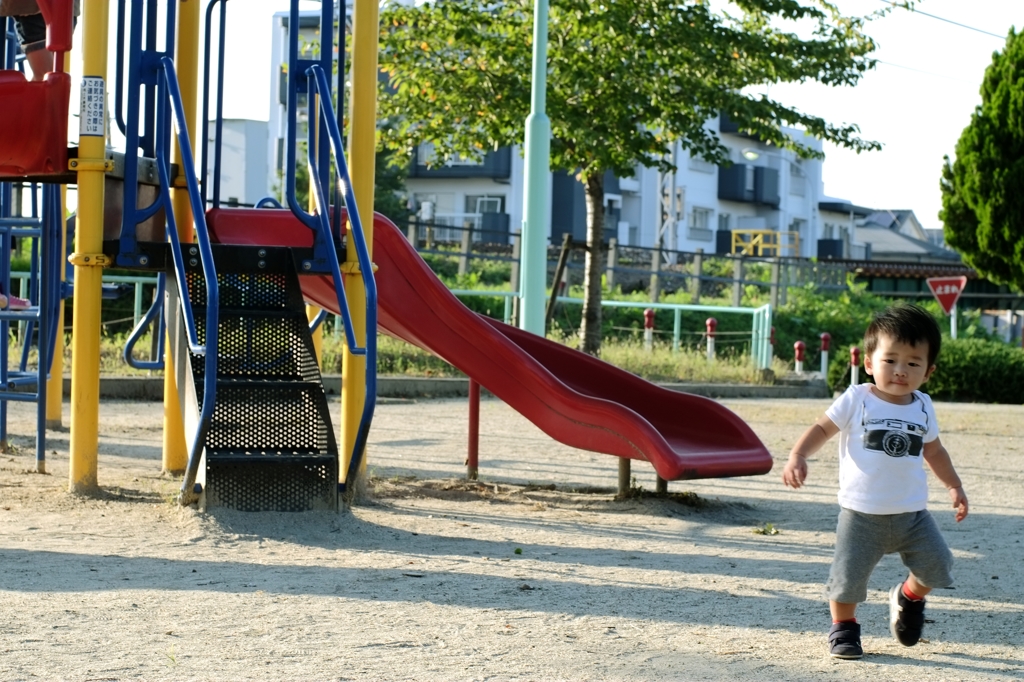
[[808, 313], [839, 371], [968, 370], [977, 370]]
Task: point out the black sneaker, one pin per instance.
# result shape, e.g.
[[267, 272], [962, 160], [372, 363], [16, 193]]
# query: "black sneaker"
[[906, 617], [844, 641]]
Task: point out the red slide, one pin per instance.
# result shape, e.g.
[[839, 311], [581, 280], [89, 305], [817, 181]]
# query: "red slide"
[[574, 398]]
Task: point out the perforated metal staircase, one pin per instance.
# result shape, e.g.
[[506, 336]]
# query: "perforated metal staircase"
[[269, 445]]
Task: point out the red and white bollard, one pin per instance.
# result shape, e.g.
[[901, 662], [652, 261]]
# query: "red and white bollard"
[[799, 347], [826, 339], [649, 329], [854, 366], [711, 324]]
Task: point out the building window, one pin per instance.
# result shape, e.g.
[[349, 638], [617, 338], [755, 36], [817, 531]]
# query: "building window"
[[483, 204], [442, 203], [723, 222], [797, 229], [701, 166], [700, 224], [700, 218], [634, 235], [426, 155], [748, 184], [460, 160], [797, 179]]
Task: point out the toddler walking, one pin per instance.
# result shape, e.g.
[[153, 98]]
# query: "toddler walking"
[[887, 432]]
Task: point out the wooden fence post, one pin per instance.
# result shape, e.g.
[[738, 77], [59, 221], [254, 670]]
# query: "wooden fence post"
[[516, 246], [613, 260], [467, 249], [698, 265], [784, 283], [737, 281], [655, 288], [774, 296], [563, 258]]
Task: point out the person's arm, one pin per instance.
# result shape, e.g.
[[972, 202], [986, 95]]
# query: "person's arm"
[[942, 466], [796, 468]]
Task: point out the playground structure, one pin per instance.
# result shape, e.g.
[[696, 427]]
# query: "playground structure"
[[247, 424]]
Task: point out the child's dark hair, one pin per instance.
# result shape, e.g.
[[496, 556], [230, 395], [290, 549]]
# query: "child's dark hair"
[[905, 323]]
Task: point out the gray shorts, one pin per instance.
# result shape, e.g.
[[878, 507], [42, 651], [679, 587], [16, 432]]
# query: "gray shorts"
[[863, 539]]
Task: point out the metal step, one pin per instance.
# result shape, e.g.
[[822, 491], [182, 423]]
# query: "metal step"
[[261, 347], [277, 482], [271, 417], [270, 444]]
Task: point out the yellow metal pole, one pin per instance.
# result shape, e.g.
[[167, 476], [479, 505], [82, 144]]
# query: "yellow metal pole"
[[186, 63], [88, 258], [361, 147], [318, 336], [55, 384]]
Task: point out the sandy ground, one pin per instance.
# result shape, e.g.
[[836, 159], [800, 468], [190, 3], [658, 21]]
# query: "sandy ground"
[[536, 573]]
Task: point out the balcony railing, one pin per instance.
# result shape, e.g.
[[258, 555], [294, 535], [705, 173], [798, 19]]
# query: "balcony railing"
[[765, 243]]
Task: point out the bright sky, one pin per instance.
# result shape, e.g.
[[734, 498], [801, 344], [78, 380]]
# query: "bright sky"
[[915, 103]]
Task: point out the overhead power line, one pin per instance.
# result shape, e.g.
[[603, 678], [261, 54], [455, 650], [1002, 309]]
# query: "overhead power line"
[[930, 73], [948, 21]]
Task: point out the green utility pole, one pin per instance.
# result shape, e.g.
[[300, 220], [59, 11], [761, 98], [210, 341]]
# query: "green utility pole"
[[537, 199]]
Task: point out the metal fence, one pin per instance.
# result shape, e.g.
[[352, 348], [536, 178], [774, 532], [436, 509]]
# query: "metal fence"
[[637, 268]]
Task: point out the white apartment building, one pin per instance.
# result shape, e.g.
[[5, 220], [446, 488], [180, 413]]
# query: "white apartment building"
[[244, 176], [765, 189]]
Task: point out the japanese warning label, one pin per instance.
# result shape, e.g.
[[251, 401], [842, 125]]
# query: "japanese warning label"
[[93, 111]]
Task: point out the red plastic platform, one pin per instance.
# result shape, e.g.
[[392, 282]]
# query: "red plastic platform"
[[33, 125], [574, 398], [34, 115]]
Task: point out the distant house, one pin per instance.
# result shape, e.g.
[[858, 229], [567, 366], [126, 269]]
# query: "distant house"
[[936, 236], [854, 232], [897, 235]]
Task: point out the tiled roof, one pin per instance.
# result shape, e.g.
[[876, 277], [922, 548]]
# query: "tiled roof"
[[878, 268], [886, 243]]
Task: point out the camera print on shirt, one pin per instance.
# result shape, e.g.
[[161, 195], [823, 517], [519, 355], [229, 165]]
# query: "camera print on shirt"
[[894, 437]]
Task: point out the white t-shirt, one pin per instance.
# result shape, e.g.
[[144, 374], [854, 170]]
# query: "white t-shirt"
[[881, 461]]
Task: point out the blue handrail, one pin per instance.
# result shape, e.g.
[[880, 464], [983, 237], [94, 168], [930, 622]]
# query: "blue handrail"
[[323, 90], [219, 121], [268, 201], [168, 85], [153, 314], [143, 68], [318, 320]]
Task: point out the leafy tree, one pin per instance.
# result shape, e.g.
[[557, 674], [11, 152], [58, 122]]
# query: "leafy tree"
[[389, 188], [983, 190], [625, 78]]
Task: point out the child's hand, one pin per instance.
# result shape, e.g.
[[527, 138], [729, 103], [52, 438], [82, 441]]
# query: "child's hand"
[[795, 472], [959, 502]]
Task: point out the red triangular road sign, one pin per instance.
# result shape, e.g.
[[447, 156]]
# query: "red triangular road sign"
[[947, 290]]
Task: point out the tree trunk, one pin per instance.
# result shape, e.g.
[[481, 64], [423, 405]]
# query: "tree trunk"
[[590, 333]]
